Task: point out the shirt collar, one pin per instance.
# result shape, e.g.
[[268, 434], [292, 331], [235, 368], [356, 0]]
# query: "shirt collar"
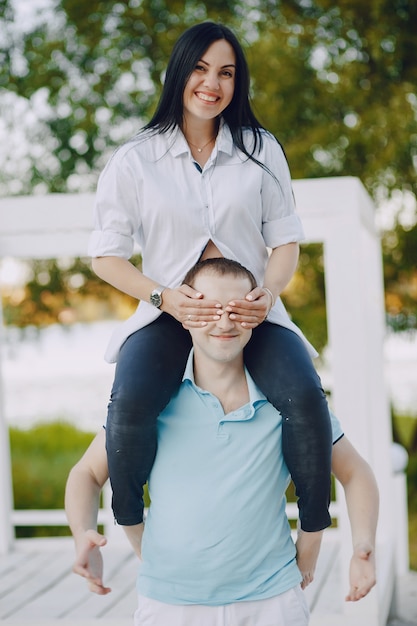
[[224, 141], [255, 394]]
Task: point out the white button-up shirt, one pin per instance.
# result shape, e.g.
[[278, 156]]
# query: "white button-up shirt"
[[152, 192]]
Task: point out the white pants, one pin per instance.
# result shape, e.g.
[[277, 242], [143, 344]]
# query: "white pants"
[[286, 609]]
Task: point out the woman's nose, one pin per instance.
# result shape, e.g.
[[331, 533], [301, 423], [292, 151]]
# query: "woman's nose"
[[211, 80]]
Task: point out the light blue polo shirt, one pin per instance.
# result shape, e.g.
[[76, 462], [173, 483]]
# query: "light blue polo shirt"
[[216, 531]]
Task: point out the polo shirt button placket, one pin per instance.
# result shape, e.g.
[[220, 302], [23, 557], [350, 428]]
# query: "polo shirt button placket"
[[221, 434]]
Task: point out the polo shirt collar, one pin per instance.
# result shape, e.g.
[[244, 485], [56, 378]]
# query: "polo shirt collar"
[[255, 394]]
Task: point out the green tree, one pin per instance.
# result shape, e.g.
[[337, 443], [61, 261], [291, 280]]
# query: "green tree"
[[91, 73], [400, 271], [336, 83]]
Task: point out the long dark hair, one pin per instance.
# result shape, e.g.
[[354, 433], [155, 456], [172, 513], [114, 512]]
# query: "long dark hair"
[[187, 52]]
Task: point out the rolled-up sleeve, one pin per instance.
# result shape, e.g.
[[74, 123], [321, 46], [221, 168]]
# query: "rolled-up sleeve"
[[337, 430], [281, 231], [116, 216], [280, 223]]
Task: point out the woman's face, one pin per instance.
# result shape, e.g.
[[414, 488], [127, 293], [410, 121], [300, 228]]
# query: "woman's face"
[[210, 88]]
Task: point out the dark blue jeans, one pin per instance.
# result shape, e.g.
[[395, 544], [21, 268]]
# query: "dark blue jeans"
[[148, 373]]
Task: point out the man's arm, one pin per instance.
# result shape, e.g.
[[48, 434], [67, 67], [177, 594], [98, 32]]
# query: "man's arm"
[[281, 266], [82, 499], [362, 499]]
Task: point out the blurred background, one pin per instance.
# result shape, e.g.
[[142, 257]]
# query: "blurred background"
[[335, 82]]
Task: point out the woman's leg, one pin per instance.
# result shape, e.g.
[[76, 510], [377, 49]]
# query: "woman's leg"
[[148, 372], [282, 368]]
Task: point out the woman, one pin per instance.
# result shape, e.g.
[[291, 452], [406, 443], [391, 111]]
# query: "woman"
[[204, 179]]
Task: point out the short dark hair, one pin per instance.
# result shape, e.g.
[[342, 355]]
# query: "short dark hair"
[[219, 266]]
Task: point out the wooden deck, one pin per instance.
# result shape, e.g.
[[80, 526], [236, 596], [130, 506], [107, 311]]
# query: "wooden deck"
[[38, 586]]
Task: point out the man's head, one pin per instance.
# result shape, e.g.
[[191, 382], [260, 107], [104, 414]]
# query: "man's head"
[[222, 280], [219, 267]]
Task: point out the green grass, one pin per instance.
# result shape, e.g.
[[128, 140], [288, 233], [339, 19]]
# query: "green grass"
[[405, 427], [41, 460], [405, 432], [412, 539]]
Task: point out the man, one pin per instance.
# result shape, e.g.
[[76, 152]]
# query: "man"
[[217, 548]]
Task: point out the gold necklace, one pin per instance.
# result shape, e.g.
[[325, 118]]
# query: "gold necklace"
[[202, 147]]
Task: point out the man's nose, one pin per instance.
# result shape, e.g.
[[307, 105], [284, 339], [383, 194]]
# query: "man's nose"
[[225, 323]]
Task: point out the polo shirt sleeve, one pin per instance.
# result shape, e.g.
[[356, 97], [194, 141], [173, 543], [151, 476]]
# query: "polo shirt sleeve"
[[116, 216], [336, 428], [280, 223]]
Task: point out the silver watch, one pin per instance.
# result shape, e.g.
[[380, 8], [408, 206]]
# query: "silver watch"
[[156, 296]]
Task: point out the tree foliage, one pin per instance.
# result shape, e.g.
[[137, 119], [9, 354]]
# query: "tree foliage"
[[64, 291], [343, 80], [336, 83], [400, 271]]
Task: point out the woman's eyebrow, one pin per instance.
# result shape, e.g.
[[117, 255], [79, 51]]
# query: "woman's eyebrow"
[[222, 67]]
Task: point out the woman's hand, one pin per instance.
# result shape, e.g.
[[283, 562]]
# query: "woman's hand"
[[189, 307], [253, 310]]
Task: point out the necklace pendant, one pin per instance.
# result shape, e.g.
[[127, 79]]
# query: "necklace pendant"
[[199, 149]]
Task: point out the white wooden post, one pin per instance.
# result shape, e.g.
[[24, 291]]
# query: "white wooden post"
[[6, 501], [356, 326], [35, 227], [399, 466]]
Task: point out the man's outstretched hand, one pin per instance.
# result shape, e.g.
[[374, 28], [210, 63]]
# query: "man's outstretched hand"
[[361, 572], [89, 561]]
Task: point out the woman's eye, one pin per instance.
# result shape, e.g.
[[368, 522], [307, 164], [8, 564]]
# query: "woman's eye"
[[199, 68]]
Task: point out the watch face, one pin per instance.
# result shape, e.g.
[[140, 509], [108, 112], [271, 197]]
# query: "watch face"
[[156, 298]]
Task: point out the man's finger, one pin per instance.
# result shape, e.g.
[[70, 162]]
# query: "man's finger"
[[79, 569], [98, 589], [95, 538]]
